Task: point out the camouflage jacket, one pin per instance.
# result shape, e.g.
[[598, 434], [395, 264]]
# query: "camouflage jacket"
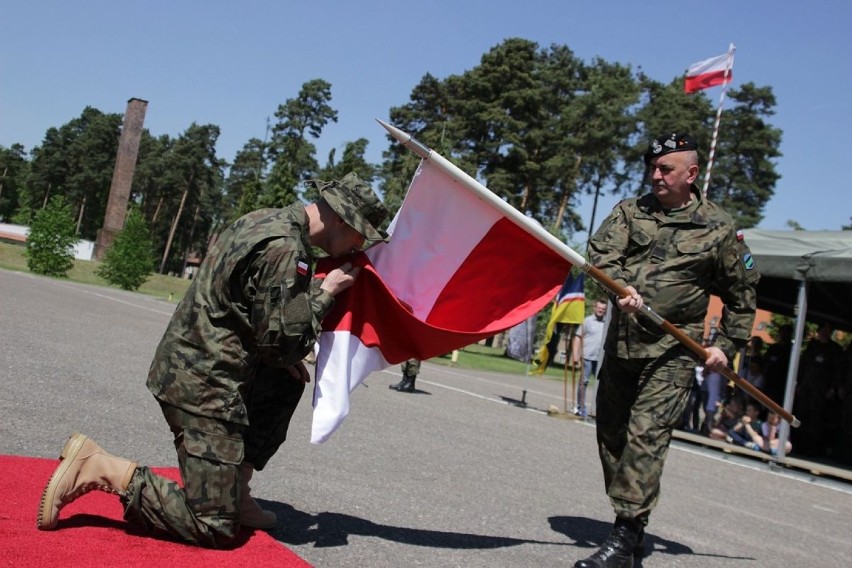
[[253, 301], [675, 260]]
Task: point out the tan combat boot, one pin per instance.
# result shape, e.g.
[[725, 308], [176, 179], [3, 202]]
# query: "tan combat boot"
[[85, 466], [251, 514]]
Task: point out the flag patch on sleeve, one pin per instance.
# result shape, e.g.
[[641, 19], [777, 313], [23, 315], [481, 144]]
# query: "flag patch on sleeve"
[[302, 267], [740, 235]]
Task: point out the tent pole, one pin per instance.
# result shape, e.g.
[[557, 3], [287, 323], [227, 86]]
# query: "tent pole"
[[793, 368]]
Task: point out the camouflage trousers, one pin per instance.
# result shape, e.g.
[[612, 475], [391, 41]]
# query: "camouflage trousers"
[[410, 368], [205, 510], [639, 403]]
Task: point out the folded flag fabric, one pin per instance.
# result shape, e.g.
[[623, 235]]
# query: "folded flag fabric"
[[709, 73], [455, 270]]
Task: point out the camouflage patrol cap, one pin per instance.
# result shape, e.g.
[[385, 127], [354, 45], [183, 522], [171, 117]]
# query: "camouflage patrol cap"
[[674, 142], [357, 205]]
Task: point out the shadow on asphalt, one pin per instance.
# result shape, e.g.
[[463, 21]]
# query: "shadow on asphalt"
[[334, 529], [591, 533]]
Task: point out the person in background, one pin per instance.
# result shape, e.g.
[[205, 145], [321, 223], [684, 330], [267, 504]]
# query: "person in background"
[[673, 249], [591, 333], [817, 403], [754, 348], [228, 371], [769, 431], [754, 376], [727, 418], [748, 431], [776, 364], [691, 421], [845, 455]]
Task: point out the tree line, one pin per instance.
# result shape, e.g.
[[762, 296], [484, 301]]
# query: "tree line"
[[540, 127]]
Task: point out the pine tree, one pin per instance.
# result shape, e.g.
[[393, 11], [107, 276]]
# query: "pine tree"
[[129, 261]]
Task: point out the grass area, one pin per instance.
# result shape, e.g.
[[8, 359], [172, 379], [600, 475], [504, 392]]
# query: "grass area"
[[486, 358], [168, 287]]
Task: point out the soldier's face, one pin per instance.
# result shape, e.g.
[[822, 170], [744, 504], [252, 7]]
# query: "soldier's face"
[[671, 176], [344, 240]]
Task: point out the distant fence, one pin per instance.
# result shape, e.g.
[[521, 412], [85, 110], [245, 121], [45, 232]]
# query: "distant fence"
[[83, 250]]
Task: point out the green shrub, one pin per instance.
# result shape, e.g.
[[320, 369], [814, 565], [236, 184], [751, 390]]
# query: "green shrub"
[[128, 262], [50, 242]]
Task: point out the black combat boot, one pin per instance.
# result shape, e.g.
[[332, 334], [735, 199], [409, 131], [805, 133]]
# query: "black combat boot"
[[617, 550], [407, 384]]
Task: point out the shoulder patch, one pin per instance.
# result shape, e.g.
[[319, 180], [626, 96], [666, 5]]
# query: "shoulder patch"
[[748, 261]]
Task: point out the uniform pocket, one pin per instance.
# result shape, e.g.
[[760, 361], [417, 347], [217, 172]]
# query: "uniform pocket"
[[220, 448], [210, 465]]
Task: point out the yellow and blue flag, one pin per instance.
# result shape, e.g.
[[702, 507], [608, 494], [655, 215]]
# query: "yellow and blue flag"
[[568, 307]]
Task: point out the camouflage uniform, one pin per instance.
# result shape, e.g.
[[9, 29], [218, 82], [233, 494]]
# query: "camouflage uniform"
[[675, 259], [252, 309], [410, 368]]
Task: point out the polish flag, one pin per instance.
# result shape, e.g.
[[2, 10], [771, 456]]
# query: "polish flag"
[[709, 73], [455, 270]]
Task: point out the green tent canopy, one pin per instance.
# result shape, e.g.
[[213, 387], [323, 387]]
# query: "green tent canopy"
[[819, 260]]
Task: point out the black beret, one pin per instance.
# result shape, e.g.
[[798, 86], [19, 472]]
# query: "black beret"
[[669, 143]]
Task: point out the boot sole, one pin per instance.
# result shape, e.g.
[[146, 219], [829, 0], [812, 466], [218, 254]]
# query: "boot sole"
[[69, 452]]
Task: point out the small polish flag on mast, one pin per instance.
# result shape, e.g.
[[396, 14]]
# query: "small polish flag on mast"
[[709, 73]]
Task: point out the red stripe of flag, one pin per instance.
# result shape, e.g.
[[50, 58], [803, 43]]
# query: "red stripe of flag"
[[707, 73]]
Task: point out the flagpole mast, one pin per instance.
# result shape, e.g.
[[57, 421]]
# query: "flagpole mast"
[[728, 65], [566, 252]]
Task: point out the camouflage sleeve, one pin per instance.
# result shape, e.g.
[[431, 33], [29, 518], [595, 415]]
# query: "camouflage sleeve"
[[288, 305], [608, 246], [736, 285]]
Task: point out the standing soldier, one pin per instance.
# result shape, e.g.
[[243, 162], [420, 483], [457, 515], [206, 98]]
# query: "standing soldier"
[[228, 372], [672, 248]]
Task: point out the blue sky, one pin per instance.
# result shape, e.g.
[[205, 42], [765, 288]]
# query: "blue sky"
[[233, 63]]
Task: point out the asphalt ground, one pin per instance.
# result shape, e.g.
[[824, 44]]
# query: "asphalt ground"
[[455, 474]]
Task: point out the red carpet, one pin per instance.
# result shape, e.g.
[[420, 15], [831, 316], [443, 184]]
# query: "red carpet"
[[92, 532]]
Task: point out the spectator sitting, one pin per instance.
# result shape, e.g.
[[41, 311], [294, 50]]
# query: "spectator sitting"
[[770, 435], [747, 432], [727, 418]]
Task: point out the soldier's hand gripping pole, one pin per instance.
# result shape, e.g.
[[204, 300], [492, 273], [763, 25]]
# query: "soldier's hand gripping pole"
[[691, 344]]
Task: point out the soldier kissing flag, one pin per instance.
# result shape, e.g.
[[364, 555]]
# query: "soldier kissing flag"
[[455, 270]]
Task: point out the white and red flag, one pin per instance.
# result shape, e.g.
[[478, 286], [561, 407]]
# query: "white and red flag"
[[455, 270], [709, 73]]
